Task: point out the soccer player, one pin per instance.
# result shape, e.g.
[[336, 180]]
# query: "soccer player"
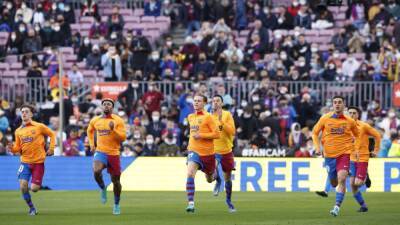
[[201, 155], [359, 158], [30, 144], [110, 133], [223, 148], [338, 132]]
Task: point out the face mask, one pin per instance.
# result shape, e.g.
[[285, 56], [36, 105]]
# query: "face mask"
[[136, 136], [149, 141], [23, 6], [9, 6], [392, 115], [22, 29], [54, 7], [113, 36], [266, 11], [189, 100], [135, 85], [155, 118], [278, 36], [61, 6], [335, 55], [151, 88], [283, 56], [243, 104], [57, 28], [86, 41], [247, 115], [296, 33], [302, 64], [37, 28], [72, 121], [155, 57], [295, 4], [255, 98], [379, 33], [13, 37], [74, 100], [313, 49], [169, 43], [67, 8]]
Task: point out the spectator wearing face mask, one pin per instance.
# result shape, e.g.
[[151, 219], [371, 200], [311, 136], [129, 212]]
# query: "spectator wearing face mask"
[[247, 124], [128, 98], [32, 43], [39, 15], [153, 65], [93, 59], [155, 127], [111, 64], [58, 38], [98, 29], [350, 66], [296, 138], [26, 13], [152, 99], [84, 49], [340, 40], [141, 48], [69, 14], [14, 43], [75, 76], [390, 122], [150, 148]]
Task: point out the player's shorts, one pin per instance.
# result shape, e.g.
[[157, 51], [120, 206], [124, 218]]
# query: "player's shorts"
[[112, 162], [206, 163], [226, 161], [359, 170], [34, 170], [333, 165]]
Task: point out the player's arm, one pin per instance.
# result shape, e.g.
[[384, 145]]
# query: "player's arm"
[[229, 125], [213, 134], [49, 133], [120, 130], [16, 147], [315, 134], [90, 134], [377, 136]]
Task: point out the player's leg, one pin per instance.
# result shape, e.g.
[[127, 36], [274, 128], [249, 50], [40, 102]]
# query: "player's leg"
[[37, 176], [99, 164], [24, 175], [359, 180], [192, 168], [218, 182], [342, 167], [209, 167], [228, 165], [114, 168]]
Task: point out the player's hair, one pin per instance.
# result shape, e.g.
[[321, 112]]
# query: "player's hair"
[[355, 108], [203, 96], [338, 96], [30, 107], [219, 96]]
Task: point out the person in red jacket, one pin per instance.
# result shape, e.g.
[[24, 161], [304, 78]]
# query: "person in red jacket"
[[152, 99]]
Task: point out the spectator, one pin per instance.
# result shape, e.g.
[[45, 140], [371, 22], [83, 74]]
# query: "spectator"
[[14, 43], [303, 19], [128, 98], [296, 138], [115, 21], [340, 40], [86, 105], [152, 99], [169, 146], [155, 127], [39, 15], [153, 66], [350, 66], [152, 8], [84, 49], [382, 17], [168, 10], [355, 43], [150, 148], [241, 20], [4, 124], [73, 146], [75, 76], [265, 139], [390, 122], [246, 125], [93, 60], [69, 14], [33, 73], [54, 86], [285, 19], [98, 29], [51, 62], [141, 49], [185, 104], [58, 37], [46, 34], [190, 51], [89, 8], [386, 143], [357, 13], [324, 19], [55, 126], [222, 10], [32, 43], [168, 68], [111, 64], [26, 12], [218, 44]]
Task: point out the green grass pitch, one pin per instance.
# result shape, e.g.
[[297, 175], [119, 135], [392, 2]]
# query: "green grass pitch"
[[168, 208]]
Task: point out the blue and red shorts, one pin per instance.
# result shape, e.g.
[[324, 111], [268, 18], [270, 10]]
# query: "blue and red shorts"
[[334, 165], [359, 170], [226, 161], [34, 170], [112, 162], [206, 163]]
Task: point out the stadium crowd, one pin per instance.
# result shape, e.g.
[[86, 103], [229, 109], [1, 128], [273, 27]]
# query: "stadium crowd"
[[363, 48]]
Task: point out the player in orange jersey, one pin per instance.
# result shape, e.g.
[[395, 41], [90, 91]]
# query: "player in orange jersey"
[[201, 155], [30, 139], [338, 133], [110, 133], [223, 147], [360, 157]]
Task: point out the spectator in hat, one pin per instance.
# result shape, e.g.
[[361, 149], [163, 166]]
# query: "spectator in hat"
[[93, 59]]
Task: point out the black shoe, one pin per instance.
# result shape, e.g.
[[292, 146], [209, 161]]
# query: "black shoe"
[[368, 181], [322, 194], [363, 209]]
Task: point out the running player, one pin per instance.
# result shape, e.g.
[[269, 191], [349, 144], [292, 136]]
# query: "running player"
[[30, 144], [338, 132], [201, 155], [359, 158], [110, 133], [223, 148]]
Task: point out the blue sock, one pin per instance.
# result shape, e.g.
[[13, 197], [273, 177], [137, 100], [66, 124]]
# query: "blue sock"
[[359, 199], [190, 188], [328, 185], [228, 190], [116, 199], [217, 176], [339, 198], [27, 198]]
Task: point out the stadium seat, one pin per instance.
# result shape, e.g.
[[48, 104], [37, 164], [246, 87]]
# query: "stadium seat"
[[147, 19], [16, 66]]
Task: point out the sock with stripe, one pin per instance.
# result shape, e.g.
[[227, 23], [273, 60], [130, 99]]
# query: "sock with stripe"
[[339, 198], [228, 190], [359, 199], [27, 198], [190, 189]]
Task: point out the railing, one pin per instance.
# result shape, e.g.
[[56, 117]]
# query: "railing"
[[356, 93]]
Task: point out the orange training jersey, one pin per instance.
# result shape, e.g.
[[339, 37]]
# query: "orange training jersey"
[[362, 142], [226, 127], [107, 140], [30, 142], [338, 134], [203, 124]]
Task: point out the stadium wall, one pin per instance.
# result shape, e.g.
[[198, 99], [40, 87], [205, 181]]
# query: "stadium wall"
[[168, 174]]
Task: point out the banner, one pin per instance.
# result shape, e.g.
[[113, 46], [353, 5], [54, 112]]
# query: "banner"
[[109, 89], [169, 174], [396, 94]]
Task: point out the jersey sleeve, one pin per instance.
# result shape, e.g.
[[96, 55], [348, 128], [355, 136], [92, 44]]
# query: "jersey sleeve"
[[17, 145], [316, 131], [229, 125], [212, 126], [377, 136], [49, 133], [120, 130], [90, 133]]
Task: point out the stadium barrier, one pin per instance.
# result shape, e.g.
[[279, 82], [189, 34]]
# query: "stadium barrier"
[[169, 174]]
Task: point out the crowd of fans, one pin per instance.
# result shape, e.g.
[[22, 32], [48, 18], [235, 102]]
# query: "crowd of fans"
[[269, 118]]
